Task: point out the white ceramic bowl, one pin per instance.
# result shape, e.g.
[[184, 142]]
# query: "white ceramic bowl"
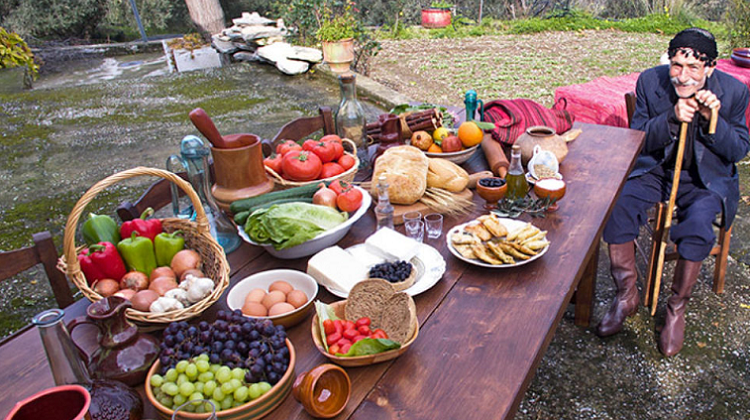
[[298, 279], [324, 240]]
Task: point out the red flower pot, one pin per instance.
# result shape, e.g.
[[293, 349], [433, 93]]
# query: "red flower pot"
[[436, 18]]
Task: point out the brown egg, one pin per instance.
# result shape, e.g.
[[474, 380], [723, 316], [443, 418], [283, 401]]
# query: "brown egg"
[[254, 309], [280, 309], [280, 285], [273, 298], [296, 298], [255, 295]]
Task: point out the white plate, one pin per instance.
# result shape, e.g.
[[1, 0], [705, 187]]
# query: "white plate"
[[510, 224], [324, 240], [430, 267]]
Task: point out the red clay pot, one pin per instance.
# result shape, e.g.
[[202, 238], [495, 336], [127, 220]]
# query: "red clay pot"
[[433, 18]]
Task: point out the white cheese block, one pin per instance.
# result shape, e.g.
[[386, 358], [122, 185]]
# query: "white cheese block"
[[335, 268], [365, 257], [391, 245]]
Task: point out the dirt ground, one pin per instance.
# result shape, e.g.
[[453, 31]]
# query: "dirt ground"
[[582, 376]]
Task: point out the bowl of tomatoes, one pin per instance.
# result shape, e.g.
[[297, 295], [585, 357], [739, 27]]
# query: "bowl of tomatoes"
[[294, 164]]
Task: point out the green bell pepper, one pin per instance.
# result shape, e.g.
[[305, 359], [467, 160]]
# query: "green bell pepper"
[[138, 253], [100, 228], [166, 245]]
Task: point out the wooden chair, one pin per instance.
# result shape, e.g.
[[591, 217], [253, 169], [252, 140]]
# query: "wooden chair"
[[720, 250], [42, 252], [159, 194]]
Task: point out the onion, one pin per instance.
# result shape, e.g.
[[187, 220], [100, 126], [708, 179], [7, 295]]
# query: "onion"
[[162, 272], [185, 260], [162, 285], [325, 197], [106, 287], [134, 280], [143, 300], [126, 294]]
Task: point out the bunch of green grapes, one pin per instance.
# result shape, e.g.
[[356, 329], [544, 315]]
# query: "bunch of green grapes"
[[197, 379]]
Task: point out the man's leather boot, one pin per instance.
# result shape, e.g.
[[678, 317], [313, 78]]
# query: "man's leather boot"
[[624, 273], [673, 333]]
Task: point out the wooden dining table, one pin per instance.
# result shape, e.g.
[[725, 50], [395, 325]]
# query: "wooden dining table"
[[483, 331]]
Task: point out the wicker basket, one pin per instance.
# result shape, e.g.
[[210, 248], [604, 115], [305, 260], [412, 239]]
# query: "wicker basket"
[[197, 237], [348, 176]]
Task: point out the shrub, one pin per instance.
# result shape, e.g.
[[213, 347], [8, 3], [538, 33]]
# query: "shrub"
[[15, 53], [738, 23], [57, 18]]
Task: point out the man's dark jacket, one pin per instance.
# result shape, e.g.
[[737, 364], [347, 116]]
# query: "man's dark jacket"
[[714, 155]]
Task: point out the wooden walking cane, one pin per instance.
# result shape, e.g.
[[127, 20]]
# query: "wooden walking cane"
[[670, 206]]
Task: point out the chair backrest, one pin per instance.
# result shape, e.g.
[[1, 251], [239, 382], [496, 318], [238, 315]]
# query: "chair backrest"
[[43, 251], [630, 105], [303, 127]]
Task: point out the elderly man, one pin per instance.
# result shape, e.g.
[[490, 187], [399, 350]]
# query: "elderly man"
[[684, 91]]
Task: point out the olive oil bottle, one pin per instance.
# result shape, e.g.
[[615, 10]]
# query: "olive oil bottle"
[[518, 187]]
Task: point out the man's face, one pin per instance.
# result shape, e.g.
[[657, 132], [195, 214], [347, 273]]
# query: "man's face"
[[688, 74]]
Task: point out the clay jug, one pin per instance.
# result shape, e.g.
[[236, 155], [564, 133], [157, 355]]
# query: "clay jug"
[[546, 138], [390, 133], [123, 354], [239, 173]]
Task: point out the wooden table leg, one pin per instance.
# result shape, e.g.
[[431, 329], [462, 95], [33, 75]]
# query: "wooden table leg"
[[584, 295]]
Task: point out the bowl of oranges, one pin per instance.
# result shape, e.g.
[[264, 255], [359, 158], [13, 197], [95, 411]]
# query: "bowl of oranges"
[[455, 145]]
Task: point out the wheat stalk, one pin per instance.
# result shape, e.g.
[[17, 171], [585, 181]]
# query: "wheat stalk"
[[445, 202]]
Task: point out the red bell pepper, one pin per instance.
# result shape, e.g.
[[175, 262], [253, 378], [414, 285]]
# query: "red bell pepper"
[[146, 228], [101, 261]]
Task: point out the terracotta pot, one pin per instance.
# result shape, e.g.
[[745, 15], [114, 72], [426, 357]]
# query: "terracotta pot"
[[546, 138], [433, 17], [239, 173], [65, 402], [339, 55], [324, 391]]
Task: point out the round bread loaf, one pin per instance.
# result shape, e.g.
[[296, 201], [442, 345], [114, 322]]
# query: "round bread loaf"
[[394, 312]]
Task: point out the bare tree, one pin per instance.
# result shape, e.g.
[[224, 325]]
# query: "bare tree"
[[207, 14]]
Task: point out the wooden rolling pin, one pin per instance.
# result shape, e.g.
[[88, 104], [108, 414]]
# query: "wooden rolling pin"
[[496, 159]]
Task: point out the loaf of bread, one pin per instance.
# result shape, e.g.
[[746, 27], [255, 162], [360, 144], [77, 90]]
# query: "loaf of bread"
[[442, 173], [394, 312], [405, 170]]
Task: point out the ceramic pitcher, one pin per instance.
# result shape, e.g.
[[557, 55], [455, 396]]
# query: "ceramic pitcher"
[[239, 173], [124, 354]]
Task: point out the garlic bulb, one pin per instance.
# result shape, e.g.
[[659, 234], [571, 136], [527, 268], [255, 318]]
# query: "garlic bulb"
[[165, 304], [180, 294], [200, 287]]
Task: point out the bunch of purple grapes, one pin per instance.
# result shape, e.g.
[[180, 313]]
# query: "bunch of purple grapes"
[[232, 340]]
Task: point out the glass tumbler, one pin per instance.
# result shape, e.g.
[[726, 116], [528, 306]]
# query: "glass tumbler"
[[415, 230], [434, 225]]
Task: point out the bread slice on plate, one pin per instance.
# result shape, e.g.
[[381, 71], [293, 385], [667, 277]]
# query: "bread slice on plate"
[[399, 317], [367, 298]]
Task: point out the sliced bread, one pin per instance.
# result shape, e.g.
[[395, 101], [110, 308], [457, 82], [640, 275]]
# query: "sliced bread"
[[399, 317], [367, 299], [394, 312]]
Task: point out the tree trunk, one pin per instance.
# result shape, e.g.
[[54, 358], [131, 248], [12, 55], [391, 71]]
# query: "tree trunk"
[[207, 14]]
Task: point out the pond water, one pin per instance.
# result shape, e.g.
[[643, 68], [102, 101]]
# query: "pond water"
[[103, 116]]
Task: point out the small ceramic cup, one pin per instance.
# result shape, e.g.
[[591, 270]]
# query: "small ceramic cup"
[[324, 391], [65, 402]]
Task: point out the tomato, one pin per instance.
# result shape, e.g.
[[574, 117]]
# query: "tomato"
[[333, 339], [349, 200], [363, 321], [301, 166], [349, 325], [334, 349], [338, 148], [325, 150], [345, 348], [379, 333], [331, 169], [346, 161], [339, 326], [339, 186], [359, 337], [331, 137], [286, 146], [364, 330], [344, 341], [350, 334], [328, 327], [273, 162]]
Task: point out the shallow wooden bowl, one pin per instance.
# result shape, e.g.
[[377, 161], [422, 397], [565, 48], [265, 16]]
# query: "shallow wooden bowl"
[[252, 410], [338, 308], [456, 157]]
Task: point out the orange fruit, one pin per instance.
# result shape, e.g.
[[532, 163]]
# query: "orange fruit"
[[470, 134], [434, 148]]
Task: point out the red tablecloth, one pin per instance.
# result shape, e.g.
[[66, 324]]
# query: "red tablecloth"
[[602, 101]]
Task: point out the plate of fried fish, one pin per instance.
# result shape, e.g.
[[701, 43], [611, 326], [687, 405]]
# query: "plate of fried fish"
[[497, 242]]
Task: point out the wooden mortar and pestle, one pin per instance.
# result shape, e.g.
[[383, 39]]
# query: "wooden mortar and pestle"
[[238, 162]]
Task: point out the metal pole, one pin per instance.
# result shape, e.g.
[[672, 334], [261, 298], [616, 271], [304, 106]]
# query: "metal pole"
[[481, 3], [138, 20]]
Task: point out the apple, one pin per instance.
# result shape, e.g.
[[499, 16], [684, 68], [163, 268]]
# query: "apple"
[[451, 144]]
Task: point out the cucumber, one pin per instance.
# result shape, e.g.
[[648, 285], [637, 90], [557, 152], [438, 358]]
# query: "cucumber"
[[241, 218], [305, 191]]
